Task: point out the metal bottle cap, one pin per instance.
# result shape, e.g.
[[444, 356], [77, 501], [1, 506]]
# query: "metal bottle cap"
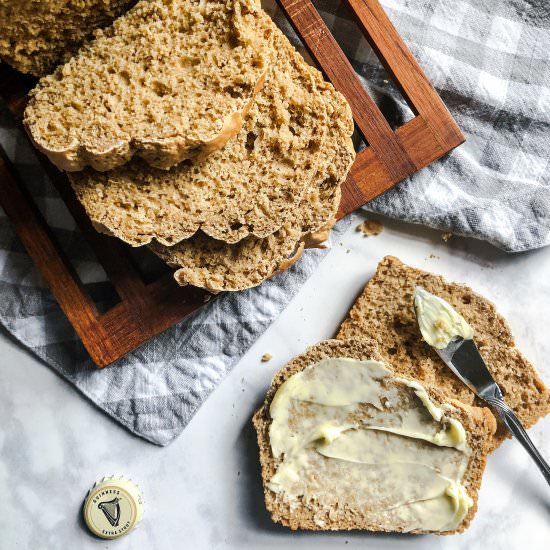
[[113, 507]]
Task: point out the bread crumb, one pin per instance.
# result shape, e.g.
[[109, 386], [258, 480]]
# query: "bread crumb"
[[266, 357], [206, 298], [446, 236], [370, 227], [432, 257]]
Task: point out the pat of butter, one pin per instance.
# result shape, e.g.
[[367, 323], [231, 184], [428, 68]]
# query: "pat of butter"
[[347, 432], [438, 321]]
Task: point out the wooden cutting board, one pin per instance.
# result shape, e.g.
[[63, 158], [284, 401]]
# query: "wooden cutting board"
[[147, 308]]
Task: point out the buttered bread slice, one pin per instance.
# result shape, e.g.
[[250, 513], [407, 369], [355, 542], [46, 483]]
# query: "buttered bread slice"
[[295, 130], [385, 312], [168, 80], [347, 444]]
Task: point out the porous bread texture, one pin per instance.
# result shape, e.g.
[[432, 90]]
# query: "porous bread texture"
[[37, 35], [248, 188], [169, 80], [384, 312], [218, 266], [478, 423]]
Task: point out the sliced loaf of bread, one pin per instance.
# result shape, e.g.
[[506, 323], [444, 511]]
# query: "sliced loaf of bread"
[[385, 312], [250, 187], [345, 444], [168, 80], [37, 35]]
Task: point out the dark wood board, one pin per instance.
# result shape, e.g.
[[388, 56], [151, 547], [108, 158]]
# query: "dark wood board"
[[146, 309]]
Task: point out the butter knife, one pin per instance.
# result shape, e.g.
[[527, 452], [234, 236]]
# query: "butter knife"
[[452, 338]]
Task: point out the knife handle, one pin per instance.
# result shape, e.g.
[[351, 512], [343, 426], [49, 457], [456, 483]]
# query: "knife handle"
[[516, 428]]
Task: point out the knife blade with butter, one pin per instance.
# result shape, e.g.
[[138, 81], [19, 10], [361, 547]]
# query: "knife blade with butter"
[[452, 338]]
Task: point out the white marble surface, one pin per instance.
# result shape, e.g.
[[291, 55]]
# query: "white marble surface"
[[203, 491]]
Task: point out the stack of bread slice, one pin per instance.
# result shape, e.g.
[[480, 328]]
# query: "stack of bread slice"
[[197, 129]]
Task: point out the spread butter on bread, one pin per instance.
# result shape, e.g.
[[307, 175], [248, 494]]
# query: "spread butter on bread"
[[345, 443]]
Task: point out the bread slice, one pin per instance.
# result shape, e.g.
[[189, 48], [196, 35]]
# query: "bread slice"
[[384, 312], [38, 35], [168, 80], [218, 266], [327, 501], [248, 188]]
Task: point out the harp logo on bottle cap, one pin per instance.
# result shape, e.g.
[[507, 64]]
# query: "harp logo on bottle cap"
[[113, 507]]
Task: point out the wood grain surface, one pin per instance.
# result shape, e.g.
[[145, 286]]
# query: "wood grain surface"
[[145, 310]]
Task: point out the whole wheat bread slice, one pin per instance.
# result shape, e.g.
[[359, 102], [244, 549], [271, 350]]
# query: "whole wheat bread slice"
[[35, 36], [248, 188], [218, 266], [168, 80], [478, 423], [384, 312]]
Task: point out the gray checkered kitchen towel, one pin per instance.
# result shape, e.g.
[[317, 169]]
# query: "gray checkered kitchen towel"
[[490, 62]]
